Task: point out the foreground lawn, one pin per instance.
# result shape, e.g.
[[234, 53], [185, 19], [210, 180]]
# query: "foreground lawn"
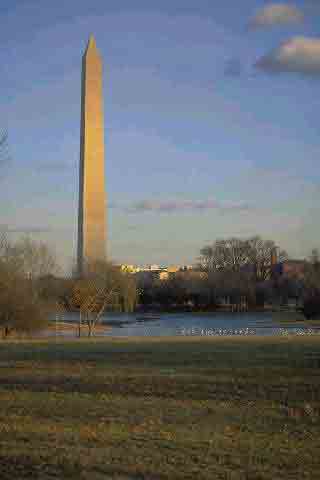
[[167, 408]]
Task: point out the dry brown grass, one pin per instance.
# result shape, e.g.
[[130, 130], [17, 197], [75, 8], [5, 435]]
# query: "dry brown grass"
[[160, 408]]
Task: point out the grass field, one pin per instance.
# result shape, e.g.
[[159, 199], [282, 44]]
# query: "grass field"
[[160, 408]]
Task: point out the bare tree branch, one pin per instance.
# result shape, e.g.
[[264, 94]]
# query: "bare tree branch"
[[4, 155], [234, 254], [91, 295]]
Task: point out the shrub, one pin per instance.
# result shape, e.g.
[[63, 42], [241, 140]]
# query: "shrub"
[[311, 307], [21, 310]]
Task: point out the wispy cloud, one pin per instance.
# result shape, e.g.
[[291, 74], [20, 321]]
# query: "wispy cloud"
[[25, 229], [276, 14], [297, 55], [176, 206]]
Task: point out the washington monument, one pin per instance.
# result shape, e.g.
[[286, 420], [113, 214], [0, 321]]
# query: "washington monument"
[[92, 196]]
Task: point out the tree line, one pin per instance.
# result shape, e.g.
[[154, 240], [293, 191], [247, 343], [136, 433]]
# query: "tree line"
[[32, 292], [242, 273]]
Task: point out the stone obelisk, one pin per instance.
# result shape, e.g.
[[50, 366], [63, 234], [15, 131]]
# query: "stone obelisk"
[[92, 196]]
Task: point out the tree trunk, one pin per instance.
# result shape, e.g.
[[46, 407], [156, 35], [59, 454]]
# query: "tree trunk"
[[90, 330], [79, 326]]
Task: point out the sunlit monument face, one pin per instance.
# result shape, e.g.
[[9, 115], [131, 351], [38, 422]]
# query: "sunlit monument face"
[[92, 197]]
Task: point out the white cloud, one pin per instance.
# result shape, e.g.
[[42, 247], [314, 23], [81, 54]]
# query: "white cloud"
[[27, 230], [173, 206], [276, 14], [299, 55]]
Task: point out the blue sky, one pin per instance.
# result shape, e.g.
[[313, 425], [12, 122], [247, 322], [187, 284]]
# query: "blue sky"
[[211, 123]]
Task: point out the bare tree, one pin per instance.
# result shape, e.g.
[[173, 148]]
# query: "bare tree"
[[3, 140], [311, 286], [7, 253], [91, 293], [239, 267], [91, 296], [230, 254], [20, 309], [4, 155], [4, 244], [261, 254], [235, 254], [312, 274], [314, 258], [35, 258]]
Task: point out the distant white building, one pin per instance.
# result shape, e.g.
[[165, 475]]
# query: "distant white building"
[[161, 270], [129, 268]]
